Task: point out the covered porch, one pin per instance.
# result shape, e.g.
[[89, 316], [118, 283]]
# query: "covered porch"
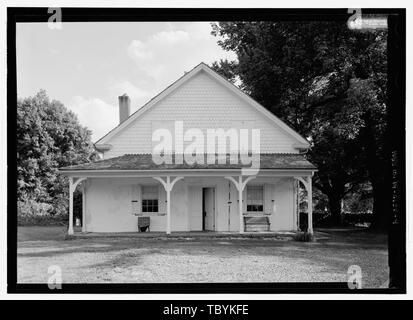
[[178, 208]]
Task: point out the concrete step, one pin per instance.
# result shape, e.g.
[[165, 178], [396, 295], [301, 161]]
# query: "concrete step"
[[257, 227], [256, 220]]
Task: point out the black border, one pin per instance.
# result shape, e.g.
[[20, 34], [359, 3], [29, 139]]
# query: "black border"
[[397, 88], [396, 93]]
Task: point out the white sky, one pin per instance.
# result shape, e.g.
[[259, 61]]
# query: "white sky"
[[88, 65]]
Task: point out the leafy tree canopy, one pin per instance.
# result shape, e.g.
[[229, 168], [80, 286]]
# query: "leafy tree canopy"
[[48, 137], [325, 81]]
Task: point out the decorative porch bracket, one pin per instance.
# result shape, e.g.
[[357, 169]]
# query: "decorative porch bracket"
[[168, 186], [306, 181], [240, 185], [83, 207], [72, 187]]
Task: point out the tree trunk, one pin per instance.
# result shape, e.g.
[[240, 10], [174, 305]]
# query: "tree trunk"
[[335, 210], [334, 190], [380, 205], [379, 170]]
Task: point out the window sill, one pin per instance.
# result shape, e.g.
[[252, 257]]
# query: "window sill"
[[150, 214], [259, 214]]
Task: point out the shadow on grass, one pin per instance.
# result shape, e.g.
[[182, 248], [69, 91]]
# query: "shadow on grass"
[[334, 243]]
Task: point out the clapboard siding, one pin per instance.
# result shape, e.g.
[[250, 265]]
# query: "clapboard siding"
[[109, 206], [201, 102]]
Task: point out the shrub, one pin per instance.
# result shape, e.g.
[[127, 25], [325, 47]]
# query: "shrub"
[[304, 237], [47, 220], [31, 207], [32, 213], [60, 206]]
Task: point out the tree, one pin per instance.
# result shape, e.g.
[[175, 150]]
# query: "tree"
[[48, 137], [309, 74]]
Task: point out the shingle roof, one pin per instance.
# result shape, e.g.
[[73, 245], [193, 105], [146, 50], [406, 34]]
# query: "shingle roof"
[[145, 162]]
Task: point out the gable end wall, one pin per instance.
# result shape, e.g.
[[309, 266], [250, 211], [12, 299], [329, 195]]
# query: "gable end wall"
[[204, 103]]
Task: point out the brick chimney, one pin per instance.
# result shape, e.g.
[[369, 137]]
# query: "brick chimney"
[[124, 107]]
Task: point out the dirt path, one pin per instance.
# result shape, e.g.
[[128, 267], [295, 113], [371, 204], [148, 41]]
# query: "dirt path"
[[200, 260]]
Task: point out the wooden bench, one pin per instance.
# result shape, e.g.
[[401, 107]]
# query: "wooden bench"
[[256, 224]]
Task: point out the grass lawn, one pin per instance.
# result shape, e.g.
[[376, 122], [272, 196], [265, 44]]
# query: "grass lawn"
[[138, 260]]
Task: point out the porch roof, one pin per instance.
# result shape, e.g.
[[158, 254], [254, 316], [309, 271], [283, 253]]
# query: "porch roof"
[[143, 162]]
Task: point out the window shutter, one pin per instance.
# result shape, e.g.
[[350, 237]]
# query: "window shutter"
[[162, 200], [268, 197], [136, 199]]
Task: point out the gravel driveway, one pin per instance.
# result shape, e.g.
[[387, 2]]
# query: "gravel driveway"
[[102, 260]]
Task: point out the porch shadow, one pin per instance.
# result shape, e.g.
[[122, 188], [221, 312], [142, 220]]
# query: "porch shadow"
[[186, 235]]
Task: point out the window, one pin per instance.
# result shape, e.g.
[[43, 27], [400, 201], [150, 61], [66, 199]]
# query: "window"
[[149, 199], [255, 198]]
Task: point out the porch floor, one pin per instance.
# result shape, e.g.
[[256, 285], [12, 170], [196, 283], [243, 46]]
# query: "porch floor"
[[184, 234]]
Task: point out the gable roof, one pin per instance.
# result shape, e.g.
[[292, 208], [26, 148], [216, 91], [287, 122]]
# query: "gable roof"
[[138, 162], [301, 142]]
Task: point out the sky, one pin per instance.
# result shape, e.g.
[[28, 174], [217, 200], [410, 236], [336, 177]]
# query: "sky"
[[87, 66]]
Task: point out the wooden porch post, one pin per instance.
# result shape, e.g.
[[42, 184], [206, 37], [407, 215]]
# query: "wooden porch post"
[[168, 186], [308, 186], [310, 205], [240, 187], [83, 208], [70, 230], [297, 203], [168, 205], [72, 188], [241, 215]]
